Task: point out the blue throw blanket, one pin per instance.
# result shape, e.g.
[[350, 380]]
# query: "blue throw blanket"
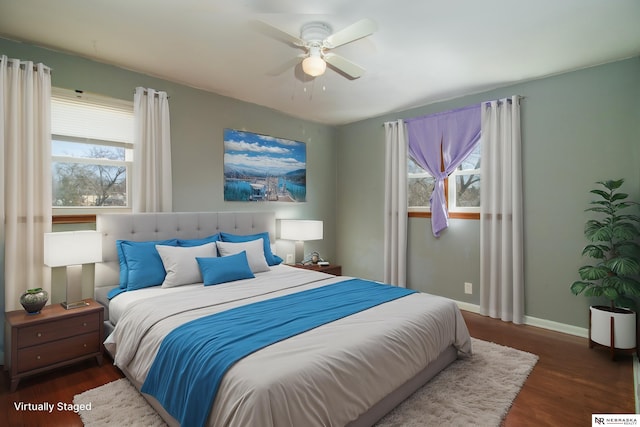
[[194, 357]]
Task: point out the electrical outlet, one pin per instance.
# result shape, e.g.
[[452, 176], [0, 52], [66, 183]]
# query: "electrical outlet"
[[468, 287], [290, 259]]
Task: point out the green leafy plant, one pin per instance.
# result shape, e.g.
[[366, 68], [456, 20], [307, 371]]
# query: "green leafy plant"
[[613, 238]]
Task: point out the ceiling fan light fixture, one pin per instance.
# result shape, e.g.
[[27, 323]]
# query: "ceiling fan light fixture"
[[314, 66], [317, 39]]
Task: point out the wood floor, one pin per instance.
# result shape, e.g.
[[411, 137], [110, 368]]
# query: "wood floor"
[[569, 383]]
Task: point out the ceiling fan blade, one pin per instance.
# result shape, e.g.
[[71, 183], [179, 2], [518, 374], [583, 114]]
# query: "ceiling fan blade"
[[287, 65], [278, 34], [353, 32], [343, 65]]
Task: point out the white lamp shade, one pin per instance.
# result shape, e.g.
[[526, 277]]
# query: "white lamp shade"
[[314, 66], [301, 230], [72, 247]]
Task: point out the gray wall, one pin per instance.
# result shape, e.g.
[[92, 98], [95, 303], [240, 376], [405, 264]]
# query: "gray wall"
[[577, 128], [197, 122]]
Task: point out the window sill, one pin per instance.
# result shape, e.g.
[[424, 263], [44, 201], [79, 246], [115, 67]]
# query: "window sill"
[[73, 219], [454, 215]]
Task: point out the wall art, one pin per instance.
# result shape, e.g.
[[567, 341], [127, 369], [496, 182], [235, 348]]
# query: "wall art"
[[261, 168]]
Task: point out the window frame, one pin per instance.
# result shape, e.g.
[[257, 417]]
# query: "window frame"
[[425, 212], [87, 214], [451, 184], [456, 212]]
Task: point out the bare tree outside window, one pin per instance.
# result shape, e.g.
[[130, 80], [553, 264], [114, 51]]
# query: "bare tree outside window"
[[468, 184], [92, 155], [420, 185], [468, 190], [91, 178]]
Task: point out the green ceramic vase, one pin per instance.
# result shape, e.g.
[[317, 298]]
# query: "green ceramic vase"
[[34, 299]]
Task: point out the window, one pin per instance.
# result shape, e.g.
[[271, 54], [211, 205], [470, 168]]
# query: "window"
[[462, 188], [420, 186], [92, 152], [464, 185]]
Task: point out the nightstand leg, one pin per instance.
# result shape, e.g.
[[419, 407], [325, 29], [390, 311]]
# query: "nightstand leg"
[[14, 384]]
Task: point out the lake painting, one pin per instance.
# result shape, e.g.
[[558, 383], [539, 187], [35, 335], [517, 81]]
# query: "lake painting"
[[261, 168]]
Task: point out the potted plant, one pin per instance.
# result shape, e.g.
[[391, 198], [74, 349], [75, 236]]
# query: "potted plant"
[[614, 247]]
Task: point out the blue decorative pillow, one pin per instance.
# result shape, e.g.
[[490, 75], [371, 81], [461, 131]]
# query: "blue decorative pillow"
[[269, 256], [114, 292], [124, 271], [199, 242], [143, 263], [225, 269]]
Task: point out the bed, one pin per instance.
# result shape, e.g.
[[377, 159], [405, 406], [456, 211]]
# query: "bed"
[[348, 371]]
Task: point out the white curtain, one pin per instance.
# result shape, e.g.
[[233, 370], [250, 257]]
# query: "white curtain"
[[152, 184], [501, 216], [25, 202], [395, 204]]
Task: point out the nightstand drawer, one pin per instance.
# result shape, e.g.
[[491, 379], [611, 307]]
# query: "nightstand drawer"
[[50, 353], [57, 329]]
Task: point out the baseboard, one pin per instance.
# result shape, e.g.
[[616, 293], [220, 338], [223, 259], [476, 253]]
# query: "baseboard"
[[534, 321], [468, 307], [557, 326]]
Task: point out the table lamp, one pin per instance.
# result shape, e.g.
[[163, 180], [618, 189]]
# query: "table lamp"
[[300, 230], [72, 249]]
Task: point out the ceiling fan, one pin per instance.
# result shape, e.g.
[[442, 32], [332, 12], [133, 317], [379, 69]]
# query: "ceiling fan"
[[317, 39]]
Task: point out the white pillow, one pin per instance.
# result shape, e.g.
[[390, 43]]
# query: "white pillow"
[[254, 249], [181, 265]]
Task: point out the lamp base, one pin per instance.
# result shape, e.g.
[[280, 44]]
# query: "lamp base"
[[74, 288], [299, 252], [77, 304]]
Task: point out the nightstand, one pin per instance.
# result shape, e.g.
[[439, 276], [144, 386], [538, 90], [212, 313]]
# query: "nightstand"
[[336, 270], [55, 337]]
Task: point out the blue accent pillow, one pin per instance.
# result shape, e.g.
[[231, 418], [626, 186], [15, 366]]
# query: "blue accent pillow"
[[143, 263], [199, 242], [124, 271], [236, 238], [114, 292], [224, 269]]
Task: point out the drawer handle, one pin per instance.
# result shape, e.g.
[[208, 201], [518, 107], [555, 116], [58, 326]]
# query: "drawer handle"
[[38, 357], [84, 345], [84, 323], [39, 334]]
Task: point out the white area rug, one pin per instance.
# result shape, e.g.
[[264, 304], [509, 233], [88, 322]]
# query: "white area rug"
[[475, 391]]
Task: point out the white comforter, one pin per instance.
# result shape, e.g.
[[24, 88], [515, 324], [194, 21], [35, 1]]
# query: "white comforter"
[[328, 376]]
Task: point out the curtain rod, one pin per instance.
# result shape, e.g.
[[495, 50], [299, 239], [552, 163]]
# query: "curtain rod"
[[518, 97], [23, 64], [156, 92]]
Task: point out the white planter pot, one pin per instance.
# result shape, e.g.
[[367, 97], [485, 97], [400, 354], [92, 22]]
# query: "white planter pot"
[[624, 328]]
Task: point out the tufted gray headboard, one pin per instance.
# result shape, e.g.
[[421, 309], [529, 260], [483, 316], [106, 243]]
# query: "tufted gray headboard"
[[166, 225]]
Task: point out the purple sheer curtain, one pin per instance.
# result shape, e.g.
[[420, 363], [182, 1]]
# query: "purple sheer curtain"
[[443, 139]]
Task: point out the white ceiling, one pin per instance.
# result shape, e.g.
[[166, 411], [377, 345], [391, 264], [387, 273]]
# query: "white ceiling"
[[423, 51]]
